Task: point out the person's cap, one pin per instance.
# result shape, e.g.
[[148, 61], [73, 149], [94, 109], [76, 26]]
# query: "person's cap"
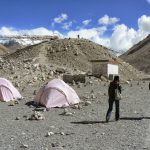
[[116, 78]]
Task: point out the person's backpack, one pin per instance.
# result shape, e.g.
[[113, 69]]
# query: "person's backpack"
[[117, 94]]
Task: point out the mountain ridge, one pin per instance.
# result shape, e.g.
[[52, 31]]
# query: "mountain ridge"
[[139, 55]]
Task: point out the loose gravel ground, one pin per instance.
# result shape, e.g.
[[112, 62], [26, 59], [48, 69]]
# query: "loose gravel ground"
[[86, 128]]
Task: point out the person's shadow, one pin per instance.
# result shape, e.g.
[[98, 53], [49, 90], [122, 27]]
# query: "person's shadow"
[[89, 122], [131, 118], [122, 118], [134, 118]]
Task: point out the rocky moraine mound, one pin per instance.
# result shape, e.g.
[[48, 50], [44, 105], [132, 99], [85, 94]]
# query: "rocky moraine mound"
[[41, 62]]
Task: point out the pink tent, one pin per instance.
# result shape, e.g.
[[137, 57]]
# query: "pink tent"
[[56, 93], [8, 91]]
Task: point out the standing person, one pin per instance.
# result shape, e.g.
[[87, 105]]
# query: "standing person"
[[113, 86]]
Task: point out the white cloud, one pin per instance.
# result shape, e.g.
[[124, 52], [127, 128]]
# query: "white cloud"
[[38, 31], [122, 37], [87, 33], [4, 31], [86, 22], [61, 18], [144, 23], [9, 31], [148, 1], [106, 20], [67, 25]]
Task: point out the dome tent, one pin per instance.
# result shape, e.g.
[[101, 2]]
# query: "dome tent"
[[56, 93], [7, 91]]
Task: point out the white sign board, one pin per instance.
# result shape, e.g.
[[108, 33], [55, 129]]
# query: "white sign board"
[[112, 69]]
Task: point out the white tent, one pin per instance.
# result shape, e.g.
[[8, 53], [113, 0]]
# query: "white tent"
[[8, 91], [56, 93]]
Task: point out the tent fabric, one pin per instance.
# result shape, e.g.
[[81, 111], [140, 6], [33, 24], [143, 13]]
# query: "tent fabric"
[[8, 91], [56, 93]]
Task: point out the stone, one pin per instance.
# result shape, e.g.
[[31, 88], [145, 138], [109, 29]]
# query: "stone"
[[87, 103], [73, 83], [49, 134], [66, 112], [62, 133], [17, 84], [11, 104], [60, 70], [93, 96], [17, 118], [34, 92], [68, 78], [105, 94], [16, 102], [79, 86], [127, 82], [36, 116], [80, 78], [91, 83], [35, 79], [24, 146], [55, 144], [51, 73]]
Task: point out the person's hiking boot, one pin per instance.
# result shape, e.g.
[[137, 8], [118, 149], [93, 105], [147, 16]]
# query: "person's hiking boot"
[[108, 116], [107, 119], [117, 119]]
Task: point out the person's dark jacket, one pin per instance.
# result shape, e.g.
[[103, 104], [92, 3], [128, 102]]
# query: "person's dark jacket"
[[112, 87]]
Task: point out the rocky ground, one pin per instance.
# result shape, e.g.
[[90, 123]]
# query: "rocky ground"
[[79, 129], [26, 127]]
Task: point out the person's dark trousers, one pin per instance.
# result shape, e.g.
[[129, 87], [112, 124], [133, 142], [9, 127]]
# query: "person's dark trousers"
[[111, 101], [117, 114]]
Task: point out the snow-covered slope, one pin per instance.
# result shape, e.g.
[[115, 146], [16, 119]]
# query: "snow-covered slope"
[[25, 40], [21, 41]]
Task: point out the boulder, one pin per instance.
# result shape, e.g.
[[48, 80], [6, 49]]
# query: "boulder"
[[74, 78]]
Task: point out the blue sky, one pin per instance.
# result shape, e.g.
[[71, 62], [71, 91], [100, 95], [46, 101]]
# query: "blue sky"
[[116, 24]]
